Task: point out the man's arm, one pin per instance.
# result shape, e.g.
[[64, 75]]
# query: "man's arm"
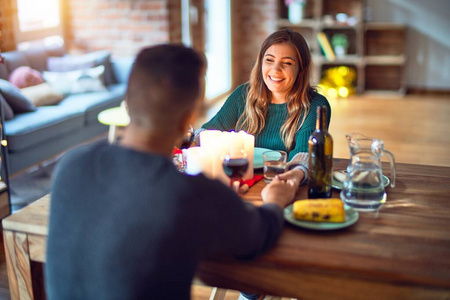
[[247, 231]]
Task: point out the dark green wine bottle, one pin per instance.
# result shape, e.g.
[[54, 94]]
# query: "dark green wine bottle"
[[320, 146]]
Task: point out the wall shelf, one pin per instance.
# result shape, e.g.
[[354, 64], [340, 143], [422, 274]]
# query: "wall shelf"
[[376, 49]]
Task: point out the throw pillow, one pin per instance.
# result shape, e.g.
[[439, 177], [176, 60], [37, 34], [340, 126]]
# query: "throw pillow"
[[18, 102], [7, 111], [23, 77], [80, 81], [70, 63], [42, 94], [85, 61]]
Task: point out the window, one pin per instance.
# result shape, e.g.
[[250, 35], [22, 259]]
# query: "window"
[[37, 20], [218, 47]]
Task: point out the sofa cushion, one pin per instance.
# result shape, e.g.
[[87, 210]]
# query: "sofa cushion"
[[42, 94], [122, 68], [78, 81], [15, 59], [24, 76], [70, 63], [18, 102], [55, 49], [91, 104], [81, 62], [4, 73], [7, 111], [46, 123], [37, 58]]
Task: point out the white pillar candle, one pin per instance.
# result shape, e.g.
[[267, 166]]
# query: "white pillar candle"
[[216, 151], [209, 137], [235, 142], [249, 147], [197, 161], [214, 145]]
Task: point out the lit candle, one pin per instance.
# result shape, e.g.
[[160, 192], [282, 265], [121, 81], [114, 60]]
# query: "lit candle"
[[249, 147], [197, 162], [214, 145], [209, 137], [235, 142]]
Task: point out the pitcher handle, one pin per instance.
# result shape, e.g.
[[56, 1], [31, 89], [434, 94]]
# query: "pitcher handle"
[[391, 158]]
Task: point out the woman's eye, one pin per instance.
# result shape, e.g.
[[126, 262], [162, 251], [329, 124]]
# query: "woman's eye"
[[269, 60], [288, 63]]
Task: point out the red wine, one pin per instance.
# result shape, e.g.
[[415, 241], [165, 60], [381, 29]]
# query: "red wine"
[[320, 146], [188, 139], [235, 167]]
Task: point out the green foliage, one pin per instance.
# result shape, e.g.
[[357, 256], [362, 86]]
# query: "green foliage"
[[340, 39]]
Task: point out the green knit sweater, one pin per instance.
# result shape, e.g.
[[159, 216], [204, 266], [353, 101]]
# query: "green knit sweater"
[[270, 136]]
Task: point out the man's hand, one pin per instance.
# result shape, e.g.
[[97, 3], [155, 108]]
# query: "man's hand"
[[279, 192], [294, 175]]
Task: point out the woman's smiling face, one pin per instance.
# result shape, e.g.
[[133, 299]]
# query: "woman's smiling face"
[[280, 68]]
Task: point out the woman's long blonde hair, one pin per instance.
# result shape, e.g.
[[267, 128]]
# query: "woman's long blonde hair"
[[259, 96]]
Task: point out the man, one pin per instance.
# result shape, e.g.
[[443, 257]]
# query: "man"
[[124, 223]]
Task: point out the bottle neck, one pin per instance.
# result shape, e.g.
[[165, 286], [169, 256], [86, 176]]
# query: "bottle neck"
[[321, 121]]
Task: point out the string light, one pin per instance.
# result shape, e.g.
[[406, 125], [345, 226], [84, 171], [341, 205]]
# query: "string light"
[[338, 82]]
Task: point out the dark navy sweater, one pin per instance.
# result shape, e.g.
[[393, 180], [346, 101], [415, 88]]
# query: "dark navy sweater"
[[126, 224]]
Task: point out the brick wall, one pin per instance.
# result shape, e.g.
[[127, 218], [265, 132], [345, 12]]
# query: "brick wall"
[[253, 21], [121, 26], [6, 24], [125, 26], [174, 7]]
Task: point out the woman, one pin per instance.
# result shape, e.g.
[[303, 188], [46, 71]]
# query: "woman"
[[278, 104]]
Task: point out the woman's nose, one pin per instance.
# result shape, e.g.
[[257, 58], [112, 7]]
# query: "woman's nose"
[[277, 66]]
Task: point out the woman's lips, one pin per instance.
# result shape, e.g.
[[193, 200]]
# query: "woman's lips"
[[276, 79]]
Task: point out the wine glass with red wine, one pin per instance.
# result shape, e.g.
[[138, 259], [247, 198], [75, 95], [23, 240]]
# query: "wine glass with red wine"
[[235, 165], [188, 138]]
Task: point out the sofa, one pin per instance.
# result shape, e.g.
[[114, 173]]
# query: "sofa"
[[44, 131]]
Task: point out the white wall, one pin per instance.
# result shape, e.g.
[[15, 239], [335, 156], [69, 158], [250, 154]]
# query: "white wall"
[[428, 38]]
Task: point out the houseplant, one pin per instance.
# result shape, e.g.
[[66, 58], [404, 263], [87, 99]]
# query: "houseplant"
[[340, 44]]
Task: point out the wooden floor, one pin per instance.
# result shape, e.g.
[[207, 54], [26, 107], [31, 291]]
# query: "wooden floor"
[[415, 128]]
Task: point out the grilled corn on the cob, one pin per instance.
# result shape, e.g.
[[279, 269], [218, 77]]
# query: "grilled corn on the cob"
[[319, 210]]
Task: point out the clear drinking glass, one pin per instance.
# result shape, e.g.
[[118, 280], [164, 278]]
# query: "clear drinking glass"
[[274, 164]]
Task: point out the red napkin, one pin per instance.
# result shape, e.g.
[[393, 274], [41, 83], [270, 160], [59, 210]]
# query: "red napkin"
[[177, 151], [251, 182]]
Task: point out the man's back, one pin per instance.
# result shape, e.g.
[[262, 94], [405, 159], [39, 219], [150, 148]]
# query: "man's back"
[[125, 224]]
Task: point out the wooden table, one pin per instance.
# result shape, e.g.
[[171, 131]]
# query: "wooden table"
[[404, 253], [25, 239]]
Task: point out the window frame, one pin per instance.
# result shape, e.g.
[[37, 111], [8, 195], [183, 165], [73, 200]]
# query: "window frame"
[[39, 34]]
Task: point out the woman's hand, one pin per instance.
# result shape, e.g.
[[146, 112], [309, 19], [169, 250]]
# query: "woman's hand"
[[280, 192], [295, 175]]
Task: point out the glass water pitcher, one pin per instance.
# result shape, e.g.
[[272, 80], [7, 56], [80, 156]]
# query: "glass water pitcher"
[[363, 188]]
